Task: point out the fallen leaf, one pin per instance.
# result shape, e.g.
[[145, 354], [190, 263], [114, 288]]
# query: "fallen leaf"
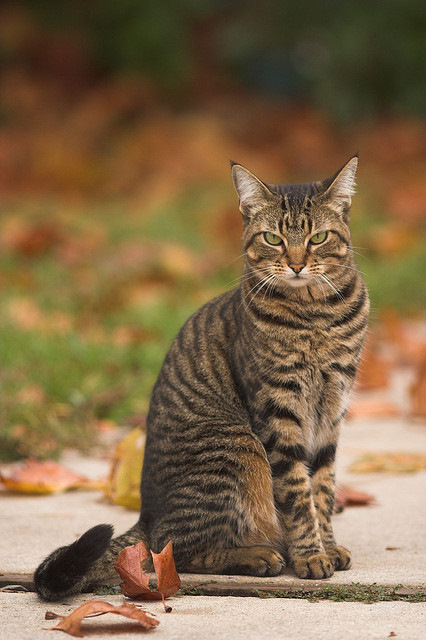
[[129, 566], [123, 486], [389, 463], [391, 548], [164, 567], [372, 408], [407, 338], [349, 497], [418, 392], [42, 477], [71, 624], [135, 579], [32, 239], [373, 372]]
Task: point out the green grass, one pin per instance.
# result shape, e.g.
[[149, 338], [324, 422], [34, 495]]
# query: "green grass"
[[355, 592], [88, 320]]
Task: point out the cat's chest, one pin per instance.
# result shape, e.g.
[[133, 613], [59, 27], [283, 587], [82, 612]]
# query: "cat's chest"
[[314, 347]]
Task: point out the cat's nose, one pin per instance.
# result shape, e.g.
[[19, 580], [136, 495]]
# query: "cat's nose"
[[297, 268]]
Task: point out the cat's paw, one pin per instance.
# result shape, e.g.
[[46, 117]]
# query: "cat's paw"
[[340, 557], [315, 567], [262, 561]]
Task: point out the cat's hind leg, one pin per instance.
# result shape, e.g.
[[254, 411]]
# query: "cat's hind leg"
[[222, 517], [253, 561]]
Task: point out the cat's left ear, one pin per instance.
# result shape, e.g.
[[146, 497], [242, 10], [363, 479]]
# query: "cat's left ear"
[[339, 189]]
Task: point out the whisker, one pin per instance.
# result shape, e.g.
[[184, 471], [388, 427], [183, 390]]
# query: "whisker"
[[259, 285], [247, 276], [331, 285], [340, 266], [319, 283]]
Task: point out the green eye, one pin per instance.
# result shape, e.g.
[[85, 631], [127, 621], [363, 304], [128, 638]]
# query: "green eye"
[[271, 238], [318, 237]]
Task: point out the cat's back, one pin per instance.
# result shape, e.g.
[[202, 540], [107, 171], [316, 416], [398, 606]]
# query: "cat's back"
[[196, 378]]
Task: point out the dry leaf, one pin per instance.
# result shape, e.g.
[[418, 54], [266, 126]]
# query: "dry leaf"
[[372, 408], [129, 566], [389, 463], [164, 566], [72, 624], [418, 392], [373, 372], [123, 486], [136, 581], [349, 497], [42, 477]]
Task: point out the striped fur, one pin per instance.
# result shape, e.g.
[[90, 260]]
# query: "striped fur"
[[245, 414]]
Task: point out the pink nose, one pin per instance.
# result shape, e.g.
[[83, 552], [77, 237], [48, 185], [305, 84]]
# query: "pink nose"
[[297, 268]]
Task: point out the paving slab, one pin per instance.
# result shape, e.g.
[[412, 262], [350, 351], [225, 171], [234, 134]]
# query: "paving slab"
[[213, 618], [386, 539]]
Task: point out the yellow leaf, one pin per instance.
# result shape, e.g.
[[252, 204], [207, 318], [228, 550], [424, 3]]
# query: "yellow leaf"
[[42, 477], [125, 476], [389, 463]]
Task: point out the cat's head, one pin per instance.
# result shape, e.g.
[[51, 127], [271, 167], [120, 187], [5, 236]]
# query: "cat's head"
[[296, 235]]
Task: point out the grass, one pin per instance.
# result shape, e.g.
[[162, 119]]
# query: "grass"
[[90, 314], [355, 592]]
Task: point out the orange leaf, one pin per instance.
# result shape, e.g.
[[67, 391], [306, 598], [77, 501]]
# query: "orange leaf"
[[349, 497], [164, 566], [42, 477], [72, 624], [373, 372], [372, 408], [129, 566], [389, 463], [418, 392], [136, 581]]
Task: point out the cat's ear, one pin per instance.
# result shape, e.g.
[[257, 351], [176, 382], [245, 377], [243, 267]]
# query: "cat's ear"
[[252, 192], [339, 189]]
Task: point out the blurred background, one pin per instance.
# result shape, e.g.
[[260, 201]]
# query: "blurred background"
[[119, 218]]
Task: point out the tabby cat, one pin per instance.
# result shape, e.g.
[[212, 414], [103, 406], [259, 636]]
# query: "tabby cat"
[[245, 414]]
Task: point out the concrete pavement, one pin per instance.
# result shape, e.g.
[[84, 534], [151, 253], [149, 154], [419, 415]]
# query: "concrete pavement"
[[386, 540]]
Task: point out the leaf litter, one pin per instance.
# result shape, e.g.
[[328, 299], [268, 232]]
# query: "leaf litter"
[[71, 624], [136, 581], [135, 585], [45, 477]]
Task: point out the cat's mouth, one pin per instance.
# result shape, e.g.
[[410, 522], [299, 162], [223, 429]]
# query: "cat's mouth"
[[298, 280]]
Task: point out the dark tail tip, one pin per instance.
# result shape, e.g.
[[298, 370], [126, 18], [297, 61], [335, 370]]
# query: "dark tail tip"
[[63, 571]]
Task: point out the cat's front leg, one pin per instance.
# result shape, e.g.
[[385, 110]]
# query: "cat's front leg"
[[295, 503], [323, 487]]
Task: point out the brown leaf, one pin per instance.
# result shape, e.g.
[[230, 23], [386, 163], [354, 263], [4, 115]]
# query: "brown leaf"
[[164, 566], [71, 624], [136, 581], [349, 497], [373, 372], [372, 408], [389, 463], [42, 477], [129, 566], [32, 239], [418, 392]]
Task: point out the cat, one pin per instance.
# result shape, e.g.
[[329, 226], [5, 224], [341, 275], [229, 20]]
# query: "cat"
[[245, 414]]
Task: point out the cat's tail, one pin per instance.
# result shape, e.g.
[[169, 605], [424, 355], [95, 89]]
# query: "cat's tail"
[[88, 560]]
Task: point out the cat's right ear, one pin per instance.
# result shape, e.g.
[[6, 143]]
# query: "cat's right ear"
[[252, 192]]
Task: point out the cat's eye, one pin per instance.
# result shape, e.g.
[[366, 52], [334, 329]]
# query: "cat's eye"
[[318, 237], [271, 238]]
